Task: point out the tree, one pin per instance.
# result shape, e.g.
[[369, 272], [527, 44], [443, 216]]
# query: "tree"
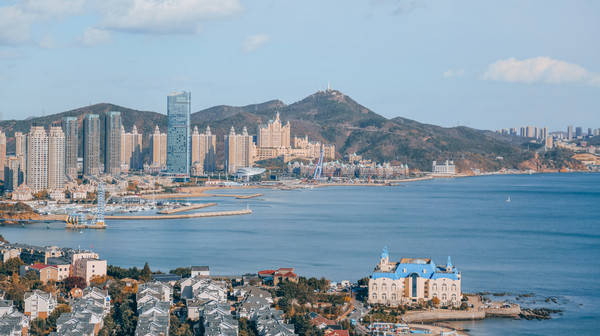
[[74, 282], [60, 309], [435, 301], [146, 273], [11, 266]]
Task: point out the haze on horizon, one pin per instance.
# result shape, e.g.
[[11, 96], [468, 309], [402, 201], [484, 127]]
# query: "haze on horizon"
[[481, 64]]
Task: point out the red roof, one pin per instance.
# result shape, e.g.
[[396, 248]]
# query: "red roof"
[[266, 272], [319, 320], [337, 333], [288, 275], [287, 269], [40, 266]]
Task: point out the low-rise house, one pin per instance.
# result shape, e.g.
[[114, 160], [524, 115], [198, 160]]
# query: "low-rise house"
[[9, 253], [87, 314], [154, 290], [89, 268], [274, 277], [200, 271], [203, 288], [218, 320], [39, 304], [57, 194], [256, 306], [153, 305], [63, 267], [12, 321], [23, 193], [45, 273]]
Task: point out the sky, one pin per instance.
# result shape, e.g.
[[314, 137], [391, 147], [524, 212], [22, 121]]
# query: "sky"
[[483, 64]]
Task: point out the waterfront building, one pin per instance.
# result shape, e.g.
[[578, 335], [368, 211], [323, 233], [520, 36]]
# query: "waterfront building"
[[178, 133], [2, 154], [446, 168], [412, 281], [158, 147], [56, 158], [357, 168], [204, 146], [37, 158], [112, 143], [274, 134], [131, 149], [91, 145], [71, 130], [239, 150]]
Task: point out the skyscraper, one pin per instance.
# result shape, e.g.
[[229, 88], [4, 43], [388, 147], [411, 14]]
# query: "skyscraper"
[[570, 133], [37, 158], [2, 154], [71, 131], [112, 143], [131, 148], [204, 149], [13, 174], [178, 133], [91, 145], [21, 152], [56, 158], [158, 146], [239, 150], [578, 132]]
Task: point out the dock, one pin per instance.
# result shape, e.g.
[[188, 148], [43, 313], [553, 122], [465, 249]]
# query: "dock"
[[186, 208], [236, 196], [183, 216]]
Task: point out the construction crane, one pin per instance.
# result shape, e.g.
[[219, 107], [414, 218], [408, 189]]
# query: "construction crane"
[[319, 168]]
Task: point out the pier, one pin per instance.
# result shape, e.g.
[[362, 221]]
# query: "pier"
[[236, 196], [186, 208], [183, 216]]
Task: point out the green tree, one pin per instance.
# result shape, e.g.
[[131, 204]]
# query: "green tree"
[[146, 273], [11, 266]]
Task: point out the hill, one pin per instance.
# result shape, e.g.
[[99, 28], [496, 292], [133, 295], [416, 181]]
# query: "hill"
[[332, 117]]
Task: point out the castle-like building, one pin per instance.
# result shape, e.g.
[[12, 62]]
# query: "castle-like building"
[[413, 280]]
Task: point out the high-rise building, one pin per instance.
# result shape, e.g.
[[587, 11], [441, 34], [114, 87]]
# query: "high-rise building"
[[37, 158], [530, 132], [21, 152], [131, 149], [178, 133], [71, 131], [91, 145], [274, 134], [112, 143], [578, 132], [570, 133], [158, 146], [590, 132], [56, 158], [2, 154], [13, 174], [203, 149], [239, 150], [544, 134], [513, 131], [522, 132]]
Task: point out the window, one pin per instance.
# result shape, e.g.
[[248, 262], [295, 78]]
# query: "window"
[[393, 297], [383, 296], [414, 278], [453, 287], [453, 297], [393, 287], [444, 287], [374, 296], [434, 287], [444, 297], [383, 287], [374, 287]]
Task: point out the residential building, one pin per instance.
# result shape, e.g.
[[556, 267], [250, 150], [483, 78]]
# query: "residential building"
[[204, 147], [112, 143], [56, 158], [178, 133], [158, 146], [39, 304], [21, 151], [570, 133], [274, 277], [88, 268], [200, 271], [44, 272], [12, 321], [274, 134], [131, 149], [239, 150], [87, 314], [578, 132], [13, 173], [2, 154], [71, 130], [153, 306], [413, 280], [37, 159], [91, 145], [444, 169]]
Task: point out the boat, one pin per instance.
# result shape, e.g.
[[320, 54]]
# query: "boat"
[[508, 199]]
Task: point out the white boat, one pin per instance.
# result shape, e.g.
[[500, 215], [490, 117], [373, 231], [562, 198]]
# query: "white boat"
[[508, 199]]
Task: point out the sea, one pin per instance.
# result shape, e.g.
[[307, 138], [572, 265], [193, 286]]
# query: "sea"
[[545, 242]]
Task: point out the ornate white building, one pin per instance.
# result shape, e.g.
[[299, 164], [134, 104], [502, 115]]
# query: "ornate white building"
[[413, 280]]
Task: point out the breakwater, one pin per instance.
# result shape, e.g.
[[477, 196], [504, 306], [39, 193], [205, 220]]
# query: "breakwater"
[[186, 208], [183, 216]]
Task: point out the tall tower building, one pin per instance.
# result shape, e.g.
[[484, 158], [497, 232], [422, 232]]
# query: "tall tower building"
[[13, 174], [91, 145], [578, 132], [56, 158], [570, 133], [2, 154], [131, 148], [178, 133], [21, 152], [71, 131], [112, 143], [274, 134], [204, 149], [37, 158], [158, 146], [239, 150]]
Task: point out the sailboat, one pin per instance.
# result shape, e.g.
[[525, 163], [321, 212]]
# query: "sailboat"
[[508, 199]]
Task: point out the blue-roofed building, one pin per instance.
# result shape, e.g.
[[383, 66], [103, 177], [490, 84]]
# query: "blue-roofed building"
[[413, 280]]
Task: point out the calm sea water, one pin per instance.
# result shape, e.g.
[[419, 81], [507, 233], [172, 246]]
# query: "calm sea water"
[[545, 241]]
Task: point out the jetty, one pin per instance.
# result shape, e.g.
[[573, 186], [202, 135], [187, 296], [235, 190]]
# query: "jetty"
[[186, 208], [236, 196], [183, 216]]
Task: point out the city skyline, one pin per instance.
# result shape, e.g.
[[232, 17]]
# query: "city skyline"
[[386, 54]]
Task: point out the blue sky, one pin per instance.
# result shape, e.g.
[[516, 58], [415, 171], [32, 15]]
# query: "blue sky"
[[483, 64]]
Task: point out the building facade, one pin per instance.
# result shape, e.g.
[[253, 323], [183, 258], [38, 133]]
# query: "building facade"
[[447, 168], [414, 280], [239, 150], [204, 147], [131, 149], [91, 145], [37, 159], [178, 133], [2, 153], [56, 158], [71, 130], [112, 143], [13, 173], [158, 146]]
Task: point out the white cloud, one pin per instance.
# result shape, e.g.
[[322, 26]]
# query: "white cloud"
[[254, 42], [164, 16], [539, 70], [94, 36], [47, 42], [53, 8], [454, 73], [15, 25]]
